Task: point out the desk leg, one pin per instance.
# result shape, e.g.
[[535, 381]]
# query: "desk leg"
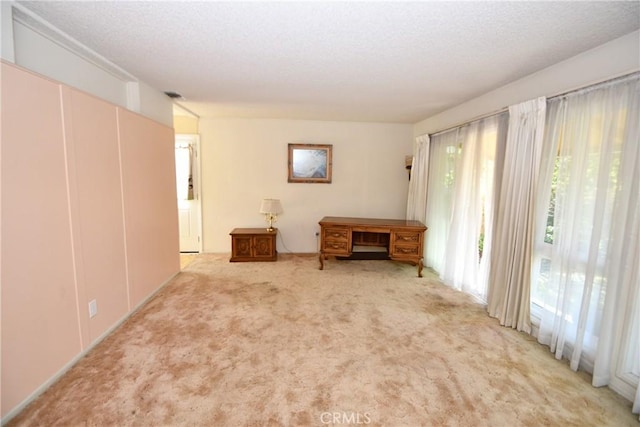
[[420, 268], [321, 257]]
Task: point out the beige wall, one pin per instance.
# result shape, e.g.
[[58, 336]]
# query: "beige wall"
[[184, 124], [610, 60], [88, 209], [245, 160]]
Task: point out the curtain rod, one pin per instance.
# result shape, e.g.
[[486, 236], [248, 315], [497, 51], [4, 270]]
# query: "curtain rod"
[[596, 85], [558, 95], [475, 119]]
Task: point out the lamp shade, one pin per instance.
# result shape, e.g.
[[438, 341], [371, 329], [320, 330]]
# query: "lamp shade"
[[270, 206]]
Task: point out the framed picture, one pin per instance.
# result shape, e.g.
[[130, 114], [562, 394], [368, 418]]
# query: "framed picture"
[[310, 163]]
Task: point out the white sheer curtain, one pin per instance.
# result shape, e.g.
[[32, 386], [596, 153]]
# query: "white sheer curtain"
[[417, 199], [460, 202], [508, 297], [444, 154], [585, 282]]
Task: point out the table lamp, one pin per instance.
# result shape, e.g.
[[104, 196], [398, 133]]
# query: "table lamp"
[[271, 208]]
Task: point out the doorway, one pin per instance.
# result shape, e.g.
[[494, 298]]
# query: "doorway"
[[187, 148]]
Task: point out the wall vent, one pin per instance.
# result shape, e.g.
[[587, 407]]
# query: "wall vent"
[[174, 95]]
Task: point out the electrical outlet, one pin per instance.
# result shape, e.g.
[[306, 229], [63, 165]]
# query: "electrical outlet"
[[93, 308]]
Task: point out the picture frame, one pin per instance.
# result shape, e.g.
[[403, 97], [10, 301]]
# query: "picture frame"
[[310, 163]]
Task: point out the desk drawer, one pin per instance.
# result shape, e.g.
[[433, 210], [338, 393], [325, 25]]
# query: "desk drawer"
[[406, 237], [406, 251], [336, 234], [406, 244], [336, 240], [335, 247]]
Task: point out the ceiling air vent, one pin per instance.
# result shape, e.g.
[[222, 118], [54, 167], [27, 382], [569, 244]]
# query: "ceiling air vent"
[[173, 95]]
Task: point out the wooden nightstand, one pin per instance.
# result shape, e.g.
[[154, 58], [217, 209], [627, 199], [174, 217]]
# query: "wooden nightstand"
[[253, 244]]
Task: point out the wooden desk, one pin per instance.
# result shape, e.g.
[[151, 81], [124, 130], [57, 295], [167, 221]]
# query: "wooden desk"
[[403, 239]]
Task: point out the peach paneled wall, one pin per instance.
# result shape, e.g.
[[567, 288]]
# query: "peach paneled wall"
[[88, 213], [150, 200], [40, 331], [94, 184]]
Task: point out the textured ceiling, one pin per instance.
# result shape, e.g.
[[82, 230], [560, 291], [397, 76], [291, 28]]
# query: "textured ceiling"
[[358, 61]]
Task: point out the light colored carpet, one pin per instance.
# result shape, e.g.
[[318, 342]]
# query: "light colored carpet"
[[186, 259], [285, 344]]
